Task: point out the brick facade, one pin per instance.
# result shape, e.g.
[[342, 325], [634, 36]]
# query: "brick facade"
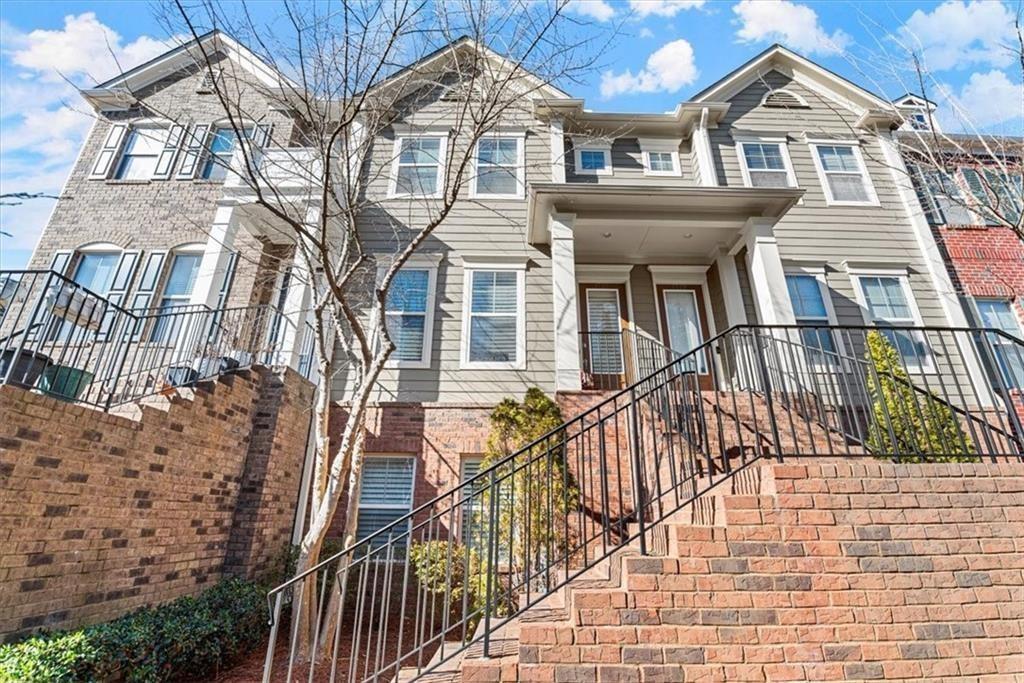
[[853, 571], [102, 513], [985, 262]]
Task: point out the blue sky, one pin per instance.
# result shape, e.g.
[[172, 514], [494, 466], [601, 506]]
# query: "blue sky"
[[666, 51]]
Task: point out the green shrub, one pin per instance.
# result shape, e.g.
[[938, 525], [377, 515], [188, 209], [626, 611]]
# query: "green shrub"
[[912, 425], [441, 568], [191, 637]]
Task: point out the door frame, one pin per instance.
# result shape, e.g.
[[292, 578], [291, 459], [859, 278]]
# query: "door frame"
[[682, 277], [604, 380]]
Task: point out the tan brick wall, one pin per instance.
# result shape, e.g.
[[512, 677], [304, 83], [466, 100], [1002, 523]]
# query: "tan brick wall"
[[101, 514]]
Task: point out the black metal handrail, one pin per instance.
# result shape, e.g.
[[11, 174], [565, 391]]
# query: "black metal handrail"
[[63, 339], [533, 520]]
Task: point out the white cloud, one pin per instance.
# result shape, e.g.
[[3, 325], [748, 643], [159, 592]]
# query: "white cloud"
[[662, 8], [795, 26], [646, 33], [986, 100], [599, 10], [668, 69], [85, 49], [41, 135], [958, 34]]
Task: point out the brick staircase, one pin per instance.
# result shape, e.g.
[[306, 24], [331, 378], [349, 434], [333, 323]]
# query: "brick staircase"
[[826, 571]]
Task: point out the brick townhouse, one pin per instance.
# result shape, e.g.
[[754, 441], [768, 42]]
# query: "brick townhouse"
[[773, 196], [756, 236]]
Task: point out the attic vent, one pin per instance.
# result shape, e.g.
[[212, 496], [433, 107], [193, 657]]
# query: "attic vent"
[[783, 99], [462, 91], [210, 78]]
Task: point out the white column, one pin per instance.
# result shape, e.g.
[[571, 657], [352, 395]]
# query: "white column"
[[557, 150], [768, 280], [214, 263], [735, 312], [563, 289], [707, 176]]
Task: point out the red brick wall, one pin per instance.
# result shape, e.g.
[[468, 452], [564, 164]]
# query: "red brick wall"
[[985, 262], [101, 514], [857, 571]]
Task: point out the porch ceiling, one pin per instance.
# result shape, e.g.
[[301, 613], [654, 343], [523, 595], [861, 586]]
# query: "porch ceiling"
[[652, 223]]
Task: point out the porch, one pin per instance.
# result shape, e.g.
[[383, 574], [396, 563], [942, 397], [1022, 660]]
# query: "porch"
[[672, 265]]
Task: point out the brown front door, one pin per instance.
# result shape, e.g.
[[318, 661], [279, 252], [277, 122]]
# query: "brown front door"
[[603, 314], [684, 325]]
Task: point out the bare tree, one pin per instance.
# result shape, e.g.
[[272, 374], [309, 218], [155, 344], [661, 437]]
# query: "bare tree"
[[339, 73], [965, 172]]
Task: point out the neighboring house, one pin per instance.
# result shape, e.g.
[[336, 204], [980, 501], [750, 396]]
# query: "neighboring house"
[[955, 179], [773, 196]]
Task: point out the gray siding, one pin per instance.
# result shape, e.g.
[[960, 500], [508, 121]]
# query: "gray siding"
[[486, 226], [813, 231], [628, 166]]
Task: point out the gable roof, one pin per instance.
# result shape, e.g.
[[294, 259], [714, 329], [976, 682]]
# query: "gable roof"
[[113, 92], [784, 60], [440, 57]]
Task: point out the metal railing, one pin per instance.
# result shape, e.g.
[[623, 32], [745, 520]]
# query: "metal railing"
[[419, 591], [62, 339]]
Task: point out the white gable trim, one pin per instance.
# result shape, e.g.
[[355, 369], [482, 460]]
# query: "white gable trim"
[[802, 70]]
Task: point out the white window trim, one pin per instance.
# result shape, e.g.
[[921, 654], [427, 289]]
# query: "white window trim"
[[442, 153], [622, 350], [782, 142], [467, 293], [428, 263], [139, 127], [412, 487], [520, 138], [648, 145], [818, 273], [580, 144], [869, 185], [904, 279]]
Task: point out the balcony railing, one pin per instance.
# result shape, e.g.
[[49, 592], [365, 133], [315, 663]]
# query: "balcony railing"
[[63, 339]]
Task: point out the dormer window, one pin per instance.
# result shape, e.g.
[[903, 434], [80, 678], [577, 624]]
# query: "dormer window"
[[660, 156], [592, 157]]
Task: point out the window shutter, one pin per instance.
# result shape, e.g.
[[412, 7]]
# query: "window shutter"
[[194, 151], [109, 152], [148, 281], [165, 164], [123, 276], [59, 263], [261, 135]]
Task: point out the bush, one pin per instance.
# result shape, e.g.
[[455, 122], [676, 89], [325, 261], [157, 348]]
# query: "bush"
[[441, 567], [191, 637], [912, 425]]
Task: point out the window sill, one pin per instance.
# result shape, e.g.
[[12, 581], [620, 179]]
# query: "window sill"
[[469, 365], [126, 181], [876, 205]]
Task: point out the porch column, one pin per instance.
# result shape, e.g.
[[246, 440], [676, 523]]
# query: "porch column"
[[563, 289], [214, 263], [297, 301], [768, 280], [735, 312]]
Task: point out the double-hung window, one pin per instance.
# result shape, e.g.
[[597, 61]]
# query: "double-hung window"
[[660, 156], [141, 152], [811, 308], [998, 314], [418, 169], [888, 301], [493, 323], [843, 175], [409, 316], [766, 164], [499, 167], [223, 141], [176, 295], [944, 200], [385, 495]]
